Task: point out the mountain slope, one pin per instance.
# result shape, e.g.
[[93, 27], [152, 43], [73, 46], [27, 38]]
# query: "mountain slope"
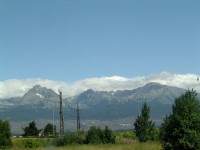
[[110, 106], [39, 96], [151, 92]]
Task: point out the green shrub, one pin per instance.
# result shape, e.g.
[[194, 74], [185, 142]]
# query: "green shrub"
[[73, 139], [78, 138], [70, 139], [59, 141], [32, 143], [5, 140], [130, 135], [98, 136], [108, 136], [21, 143], [156, 134]]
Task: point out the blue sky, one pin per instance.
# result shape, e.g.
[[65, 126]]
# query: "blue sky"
[[70, 40]]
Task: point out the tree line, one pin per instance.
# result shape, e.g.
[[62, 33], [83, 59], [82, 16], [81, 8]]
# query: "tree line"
[[179, 130], [32, 130]]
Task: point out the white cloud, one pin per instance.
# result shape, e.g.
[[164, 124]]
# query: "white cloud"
[[15, 88]]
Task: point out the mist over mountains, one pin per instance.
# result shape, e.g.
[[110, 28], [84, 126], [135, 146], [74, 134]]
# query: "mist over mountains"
[[116, 108], [16, 88], [39, 96]]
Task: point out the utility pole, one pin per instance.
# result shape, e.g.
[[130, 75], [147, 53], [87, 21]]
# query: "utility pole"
[[61, 114], [53, 121], [78, 118]]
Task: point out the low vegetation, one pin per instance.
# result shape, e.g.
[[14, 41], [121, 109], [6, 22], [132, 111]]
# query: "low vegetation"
[[27, 143], [125, 140], [5, 140], [46, 144]]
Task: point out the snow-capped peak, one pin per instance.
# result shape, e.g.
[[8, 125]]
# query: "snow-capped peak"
[[39, 95]]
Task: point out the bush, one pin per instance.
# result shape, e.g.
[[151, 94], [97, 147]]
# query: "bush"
[[108, 136], [31, 144], [70, 139], [21, 143], [5, 140], [125, 136], [129, 135], [59, 141], [93, 136], [98, 136]]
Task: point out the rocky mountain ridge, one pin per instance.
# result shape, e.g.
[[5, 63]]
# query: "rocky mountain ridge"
[[151, 92], [40, 103]]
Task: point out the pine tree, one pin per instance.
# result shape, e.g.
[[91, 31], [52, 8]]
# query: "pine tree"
[[181, 130], [144, 128]]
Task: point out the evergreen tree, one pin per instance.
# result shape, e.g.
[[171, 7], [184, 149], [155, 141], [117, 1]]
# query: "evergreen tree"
[[49, 130], [31, 130], [5, 140], [144, 128], [181, 130]]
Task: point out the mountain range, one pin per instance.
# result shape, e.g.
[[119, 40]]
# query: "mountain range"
[[111, 107]]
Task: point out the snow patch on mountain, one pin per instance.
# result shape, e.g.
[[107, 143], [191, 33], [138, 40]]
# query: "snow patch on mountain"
[[39, 95]]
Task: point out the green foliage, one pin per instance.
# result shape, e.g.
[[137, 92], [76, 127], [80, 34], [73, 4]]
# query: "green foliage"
[[181, 130], [49, 130], [98, 136], [31, 144], [59, 141], [144, 128], [94, 136], [130, 135], [5, 140], [156, 134], [31, 130], [21, 143], [70, 139], [108, 135]]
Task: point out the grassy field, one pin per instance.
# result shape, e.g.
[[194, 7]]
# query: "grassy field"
[[124, 141], [19, 144], [136, 146]]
